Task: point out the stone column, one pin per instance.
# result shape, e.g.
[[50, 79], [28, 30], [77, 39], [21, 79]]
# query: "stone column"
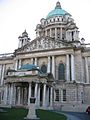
[[16, 64], [55, 33], [18, 95], [44, 96], [20, 63], [36, 64], [53, 66], [46, 33], [3, 70], [50, 32], [35, 94], [75, 35], [67, 68], [51, 98], [61, 33], [29, 94], [0, 73], [36, 61], [31, 60], [38, 96], [72, 67], [14, 94], [48, 68], [11, 94], [47, 96], [70, 34], [87, 71], [5, 94]]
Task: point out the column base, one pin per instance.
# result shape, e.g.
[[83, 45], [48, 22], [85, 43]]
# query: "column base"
[[31, 118], [50, 108]]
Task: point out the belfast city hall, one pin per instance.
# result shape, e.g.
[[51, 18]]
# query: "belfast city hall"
[[54, 68]]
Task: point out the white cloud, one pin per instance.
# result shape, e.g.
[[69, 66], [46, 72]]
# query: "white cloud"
[[18, 15]]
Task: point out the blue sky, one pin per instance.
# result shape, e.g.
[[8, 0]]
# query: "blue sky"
[[18, 15]]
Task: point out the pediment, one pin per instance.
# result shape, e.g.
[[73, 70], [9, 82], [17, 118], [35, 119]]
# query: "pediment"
[[43, 43]]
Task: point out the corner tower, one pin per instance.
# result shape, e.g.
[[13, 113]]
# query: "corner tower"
[[23, 39]]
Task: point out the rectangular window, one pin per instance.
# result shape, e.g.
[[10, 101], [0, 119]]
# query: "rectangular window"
[[64, 95], [56, 95]]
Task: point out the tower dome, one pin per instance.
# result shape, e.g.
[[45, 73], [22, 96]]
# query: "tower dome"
[[58, 11]]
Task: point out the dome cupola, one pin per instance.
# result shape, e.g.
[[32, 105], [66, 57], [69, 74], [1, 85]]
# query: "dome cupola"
[[58, 11]]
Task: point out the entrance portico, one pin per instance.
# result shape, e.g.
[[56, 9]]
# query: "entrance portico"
[[19, 89], [19, 94]]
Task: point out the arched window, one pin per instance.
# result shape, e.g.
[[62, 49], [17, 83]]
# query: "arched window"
[[44, 68], [61, 71]]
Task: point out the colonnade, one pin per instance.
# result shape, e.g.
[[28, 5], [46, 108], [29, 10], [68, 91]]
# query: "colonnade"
[[58, 32], [13, 95], [55, 32]]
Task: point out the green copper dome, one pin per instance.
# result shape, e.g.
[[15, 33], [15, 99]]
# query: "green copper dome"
[[28, 67], [58, 11]]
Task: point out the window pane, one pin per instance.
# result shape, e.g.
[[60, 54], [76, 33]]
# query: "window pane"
[[44, 68], [57, 95], [61, 72], [64, 95]]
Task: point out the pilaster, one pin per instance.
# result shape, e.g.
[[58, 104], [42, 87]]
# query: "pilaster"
[[87, 71], [72, 67], [53, 66], [67, 68]]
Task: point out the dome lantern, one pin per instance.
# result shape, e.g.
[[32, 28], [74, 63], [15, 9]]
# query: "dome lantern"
[[58, 5]]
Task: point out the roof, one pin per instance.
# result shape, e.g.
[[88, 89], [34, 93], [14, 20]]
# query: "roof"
[[28, 67], [58, 11]]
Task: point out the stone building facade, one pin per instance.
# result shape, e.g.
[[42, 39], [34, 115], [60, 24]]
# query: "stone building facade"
[[61, 62]]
